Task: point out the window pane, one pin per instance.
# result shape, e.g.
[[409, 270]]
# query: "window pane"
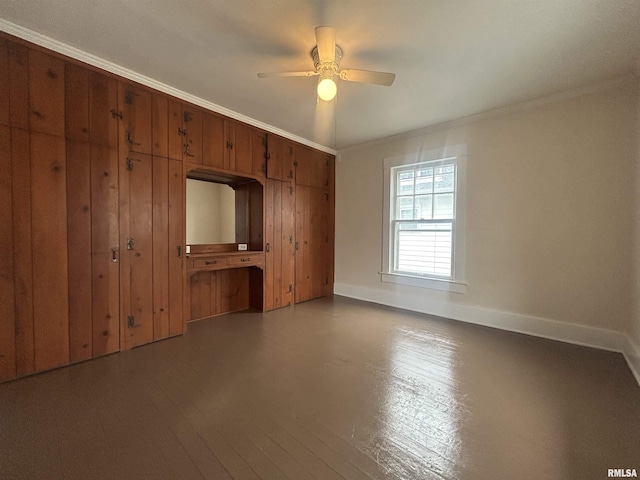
[[443, 207], [444, 179], [424, 249], [423, 207], [404, 208], [405, 183], [424, 184]]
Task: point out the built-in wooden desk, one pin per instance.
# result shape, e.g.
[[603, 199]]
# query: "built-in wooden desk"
[[223, 281]]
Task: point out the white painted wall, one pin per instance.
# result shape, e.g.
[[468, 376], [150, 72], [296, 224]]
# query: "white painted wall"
[[210, 213], [550, 219]]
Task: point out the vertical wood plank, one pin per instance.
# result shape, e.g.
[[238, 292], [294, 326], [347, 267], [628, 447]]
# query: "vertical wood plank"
[[79, 249], [302, 232], [274, 157], [4, 82], [7, 310], [135, 127], [160, 124], [46, 93], [288, 235], [76, 98], [214, 151], [242, 150], [103, 110], [277, 246], [141, 258], [105, 273], [160, 193], [176, 227], [270, 187], [200, 286], [50, 261], [258, 152], [176, 136], [18, 85], [22, 238], [192, 122]]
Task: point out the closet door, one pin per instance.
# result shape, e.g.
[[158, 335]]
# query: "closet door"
[[136, 249], [134, 106], [167, 248], [279, 246], [312, 242]]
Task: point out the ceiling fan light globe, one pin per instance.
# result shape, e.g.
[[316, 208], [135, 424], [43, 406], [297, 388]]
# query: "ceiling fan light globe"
[[327, 89]]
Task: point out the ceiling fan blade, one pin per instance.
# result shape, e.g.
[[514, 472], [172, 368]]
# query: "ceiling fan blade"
[[287, 74], [326, 41], [367, 76]]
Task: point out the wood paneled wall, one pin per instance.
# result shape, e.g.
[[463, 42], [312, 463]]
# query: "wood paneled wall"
[[91, 164]]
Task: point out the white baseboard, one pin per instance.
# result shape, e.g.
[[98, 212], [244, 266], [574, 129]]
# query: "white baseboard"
[[595, 337]]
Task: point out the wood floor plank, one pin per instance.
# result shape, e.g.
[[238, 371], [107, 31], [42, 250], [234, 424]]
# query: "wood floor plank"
[[332, 389]]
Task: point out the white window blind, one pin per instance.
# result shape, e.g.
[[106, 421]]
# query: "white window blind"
[[423, 218]]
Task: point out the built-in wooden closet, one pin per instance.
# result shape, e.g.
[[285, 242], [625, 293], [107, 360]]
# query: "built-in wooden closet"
[[92, 220]]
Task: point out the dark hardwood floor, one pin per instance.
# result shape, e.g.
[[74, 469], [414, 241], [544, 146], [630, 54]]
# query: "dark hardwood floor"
[[328, 389]]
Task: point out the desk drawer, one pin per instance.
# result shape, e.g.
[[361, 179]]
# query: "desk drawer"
[[246, 260], [218, 262]]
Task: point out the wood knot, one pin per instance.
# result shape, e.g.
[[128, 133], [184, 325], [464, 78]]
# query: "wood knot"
[[85, 345], [51, 74], [37, 113], [105, 174], [137, 254], [85, 208], [108, 316], [57, 167], [105, 333], [100, 276]]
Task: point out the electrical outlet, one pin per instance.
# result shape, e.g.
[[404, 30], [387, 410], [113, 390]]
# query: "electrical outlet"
[[242, 246]]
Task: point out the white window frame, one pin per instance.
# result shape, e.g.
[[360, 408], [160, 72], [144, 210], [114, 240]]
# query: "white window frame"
[[457, 282]]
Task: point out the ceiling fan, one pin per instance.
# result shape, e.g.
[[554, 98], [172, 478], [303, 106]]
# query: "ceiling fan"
[[326, 60]]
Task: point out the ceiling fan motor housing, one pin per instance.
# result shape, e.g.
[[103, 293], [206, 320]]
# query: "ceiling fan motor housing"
[[326, 69]]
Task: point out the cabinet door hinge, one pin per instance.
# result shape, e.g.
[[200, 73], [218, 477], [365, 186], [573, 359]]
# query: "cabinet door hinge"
[[114, 254], [229, 145], [290, 288], [182, 131], [128, 97], [116, 114], [264, 141], [129, 162], [290, 190], [290, 239], [290, 150], [296, 245], [295, 163], [326, 197], [290, 174], [129, 138], [129, 243], [131, 322]]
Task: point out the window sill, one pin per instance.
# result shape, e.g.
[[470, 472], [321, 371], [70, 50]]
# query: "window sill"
[[422, 282]]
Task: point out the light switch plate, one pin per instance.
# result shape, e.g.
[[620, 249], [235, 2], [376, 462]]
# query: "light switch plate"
[[242, 246], [188, 249]]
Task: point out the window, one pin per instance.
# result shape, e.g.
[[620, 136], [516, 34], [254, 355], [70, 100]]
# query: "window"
[[424, 219]]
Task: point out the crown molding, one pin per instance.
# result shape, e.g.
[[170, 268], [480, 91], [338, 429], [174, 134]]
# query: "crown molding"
[[626, 79], [95, 61]]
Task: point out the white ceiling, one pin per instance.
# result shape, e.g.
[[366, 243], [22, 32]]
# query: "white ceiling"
[[452, 59]]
